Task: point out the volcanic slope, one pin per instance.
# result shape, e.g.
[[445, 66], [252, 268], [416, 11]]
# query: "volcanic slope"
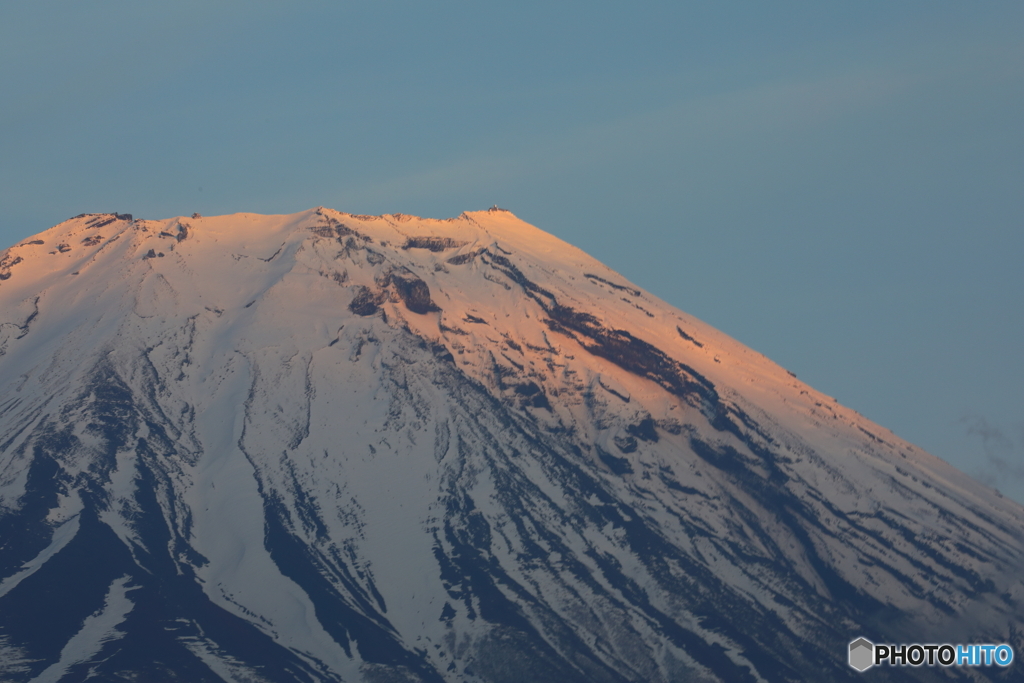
[[329, 447]]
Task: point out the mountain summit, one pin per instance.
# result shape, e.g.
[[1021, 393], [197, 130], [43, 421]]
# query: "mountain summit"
[[330, 447]]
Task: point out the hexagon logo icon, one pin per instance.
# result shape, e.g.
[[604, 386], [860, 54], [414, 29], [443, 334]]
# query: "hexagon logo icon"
[[862, 654]]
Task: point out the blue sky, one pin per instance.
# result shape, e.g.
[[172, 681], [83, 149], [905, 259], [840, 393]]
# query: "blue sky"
[[838, 185]]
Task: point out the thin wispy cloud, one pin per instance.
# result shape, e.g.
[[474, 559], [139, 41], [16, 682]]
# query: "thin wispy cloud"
[[1003, 456], [692, 122]]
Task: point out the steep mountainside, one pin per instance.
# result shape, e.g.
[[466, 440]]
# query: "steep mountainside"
[[327, 447]]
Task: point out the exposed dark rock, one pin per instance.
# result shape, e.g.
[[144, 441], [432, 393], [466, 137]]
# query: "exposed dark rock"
[[670, 426], [432, 243], [272, 256], [632, 354], [528, 389], [453, 330], [442, 353], [502, 264], [644, 430], [370, 633], [533, 395], [414, 292], [615, 464], [460, 259], [323, 230], [366, 302], [626, 444], [623, 397], [688, 337], [101, 219], [638, 307], [335, 229], [624, 288], [24, 327], [618, 346]]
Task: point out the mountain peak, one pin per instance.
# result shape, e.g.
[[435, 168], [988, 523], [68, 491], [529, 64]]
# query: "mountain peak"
[[326, 446]]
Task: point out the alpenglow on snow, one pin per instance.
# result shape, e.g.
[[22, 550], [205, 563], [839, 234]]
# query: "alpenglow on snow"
[[332, 447]]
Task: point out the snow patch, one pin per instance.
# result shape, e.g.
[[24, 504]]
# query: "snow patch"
[[62, 535], [97, 630]]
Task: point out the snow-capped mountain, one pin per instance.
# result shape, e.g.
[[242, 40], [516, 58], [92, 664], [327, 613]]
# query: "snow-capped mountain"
[[330, 447]]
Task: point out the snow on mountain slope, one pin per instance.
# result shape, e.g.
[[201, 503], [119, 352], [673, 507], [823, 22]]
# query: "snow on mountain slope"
[[333, 447]]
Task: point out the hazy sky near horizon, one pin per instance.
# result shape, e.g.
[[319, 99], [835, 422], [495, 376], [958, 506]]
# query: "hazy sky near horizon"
[[838, 185]]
